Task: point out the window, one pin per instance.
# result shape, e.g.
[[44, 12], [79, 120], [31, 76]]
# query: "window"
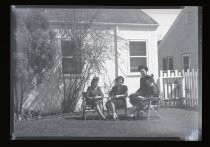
[[165, 63], [186, 61], [168, 63], [70, 63], [138, 55]]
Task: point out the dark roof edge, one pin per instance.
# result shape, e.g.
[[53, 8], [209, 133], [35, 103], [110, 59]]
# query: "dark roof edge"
[[108, 23], [155, 22], [171, 28]]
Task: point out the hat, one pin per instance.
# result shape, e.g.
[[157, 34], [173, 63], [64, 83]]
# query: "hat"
[[142, 67], [119, 77], [94, 79]]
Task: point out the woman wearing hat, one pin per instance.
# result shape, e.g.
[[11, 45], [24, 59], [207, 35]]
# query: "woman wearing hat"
[[118, 96], [147, 88]]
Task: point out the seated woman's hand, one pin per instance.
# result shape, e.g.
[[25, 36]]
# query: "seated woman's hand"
[[141, 97], [116, 96], [97, 97]]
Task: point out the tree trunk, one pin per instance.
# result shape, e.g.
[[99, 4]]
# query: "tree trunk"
[[22, 90], [15, 98], [13, 59]]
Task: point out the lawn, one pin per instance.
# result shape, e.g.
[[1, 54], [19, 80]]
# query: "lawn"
[[175, 123]]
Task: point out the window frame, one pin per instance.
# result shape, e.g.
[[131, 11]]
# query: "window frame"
[[185, 55], [129, 73], [167, 63], [172, 62], [66, 57]]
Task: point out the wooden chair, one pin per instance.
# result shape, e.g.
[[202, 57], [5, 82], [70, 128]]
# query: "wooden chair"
[[86, 108], [125, 108], [152, 107]]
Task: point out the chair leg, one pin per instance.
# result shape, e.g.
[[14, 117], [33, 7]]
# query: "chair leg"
[[148, 115], [125, 109], [84, 114], [156, 112]]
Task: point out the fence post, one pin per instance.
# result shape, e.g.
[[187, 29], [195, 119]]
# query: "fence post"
[[161, 83], [193, 86], [176, 90], [165, 86], [196, 86], [176, 73], [189, 87], [169, 73], [183, 85]]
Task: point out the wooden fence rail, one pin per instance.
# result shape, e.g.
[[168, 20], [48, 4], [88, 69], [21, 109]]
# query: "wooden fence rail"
[[179, 88]]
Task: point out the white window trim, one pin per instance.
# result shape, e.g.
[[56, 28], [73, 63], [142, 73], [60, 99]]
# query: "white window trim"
[[185, 55], [129, 73]]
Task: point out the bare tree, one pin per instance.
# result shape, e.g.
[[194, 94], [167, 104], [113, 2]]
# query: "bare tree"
[[91, 46]]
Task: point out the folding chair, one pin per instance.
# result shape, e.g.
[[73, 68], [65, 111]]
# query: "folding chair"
[[125, 107], [86, 108], [151, 107]]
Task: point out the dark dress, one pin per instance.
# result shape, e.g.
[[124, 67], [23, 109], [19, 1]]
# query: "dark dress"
[[144, 91], [92, 93], [119, 90], [153, 91]]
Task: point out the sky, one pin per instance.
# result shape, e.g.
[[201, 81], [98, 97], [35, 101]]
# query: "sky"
[[164, 17]]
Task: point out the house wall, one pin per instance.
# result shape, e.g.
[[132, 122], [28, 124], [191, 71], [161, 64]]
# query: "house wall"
[[152, 58], [181, 39], [124, 35], [132, 81]]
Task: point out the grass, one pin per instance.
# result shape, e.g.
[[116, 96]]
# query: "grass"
[[175, 123]]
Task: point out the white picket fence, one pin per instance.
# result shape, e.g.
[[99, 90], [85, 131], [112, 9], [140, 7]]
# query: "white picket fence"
[[179, 88]]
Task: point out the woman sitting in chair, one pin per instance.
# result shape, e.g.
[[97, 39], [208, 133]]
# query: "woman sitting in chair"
[[151, 90], [118, 96], [95, 97]]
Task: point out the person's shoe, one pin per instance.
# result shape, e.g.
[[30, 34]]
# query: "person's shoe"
[[140, 115], [130, 117], [103, 118], [115, 117]]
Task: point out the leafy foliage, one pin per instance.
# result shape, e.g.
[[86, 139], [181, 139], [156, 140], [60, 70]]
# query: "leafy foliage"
[[35, 51], [41, 50]]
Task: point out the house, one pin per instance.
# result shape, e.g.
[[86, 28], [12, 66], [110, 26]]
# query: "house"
[[138, 31], [134, 43], [179, 48]]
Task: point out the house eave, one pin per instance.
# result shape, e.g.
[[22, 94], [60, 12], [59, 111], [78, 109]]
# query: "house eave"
[[107, 24]]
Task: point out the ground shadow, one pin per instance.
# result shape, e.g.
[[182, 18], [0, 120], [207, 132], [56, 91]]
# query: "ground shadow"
[[90, 117], [120, 116]]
